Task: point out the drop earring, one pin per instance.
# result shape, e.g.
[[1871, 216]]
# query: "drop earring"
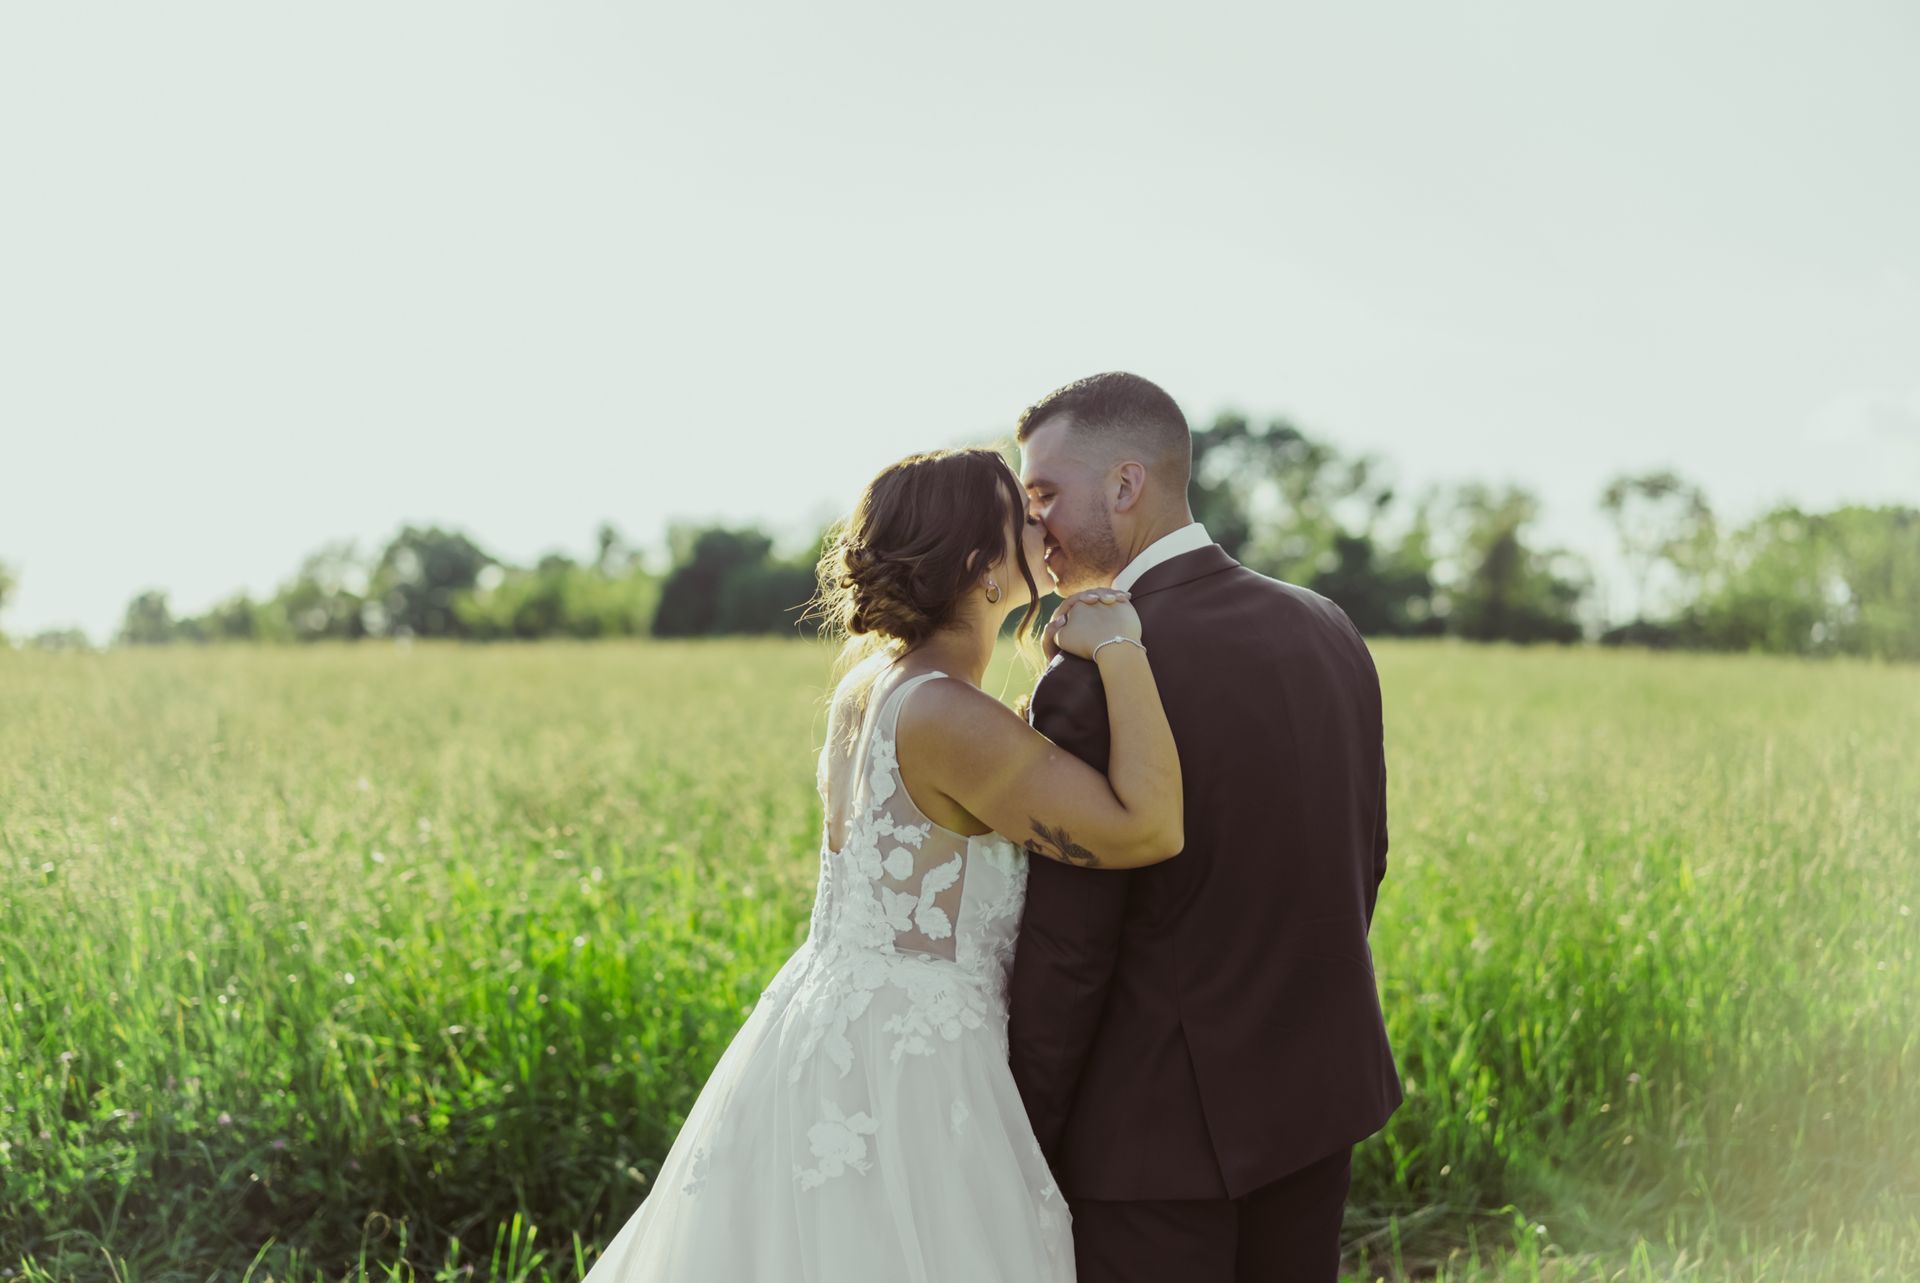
[[993, 591]]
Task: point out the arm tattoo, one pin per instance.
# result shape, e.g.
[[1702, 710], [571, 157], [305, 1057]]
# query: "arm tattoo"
[[1063, 848]]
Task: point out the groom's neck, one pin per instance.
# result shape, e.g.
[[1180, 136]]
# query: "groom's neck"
[[1149, 535]]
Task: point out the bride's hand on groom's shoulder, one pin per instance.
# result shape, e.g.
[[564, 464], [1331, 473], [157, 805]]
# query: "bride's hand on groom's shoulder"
[[1086, 619]]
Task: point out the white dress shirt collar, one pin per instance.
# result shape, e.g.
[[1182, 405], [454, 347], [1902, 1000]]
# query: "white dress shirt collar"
[[1187, 538]]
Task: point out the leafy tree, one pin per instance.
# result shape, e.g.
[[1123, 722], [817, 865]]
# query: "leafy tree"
[[1793, 582], [613, 557], [1507, 590], [558, 597], [1273, 496], [322, 601], [148, 621], [690, 599], [1658, 517], [728, 581], [1876, 552], [610, 605], [765, 598], [60, 639], [1217, 493], [517, 603], [1386, 593], [237, 618], [416, 580], [1294, 508]]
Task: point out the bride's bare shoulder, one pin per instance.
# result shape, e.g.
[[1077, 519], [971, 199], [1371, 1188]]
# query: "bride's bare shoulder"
[[948, 714]]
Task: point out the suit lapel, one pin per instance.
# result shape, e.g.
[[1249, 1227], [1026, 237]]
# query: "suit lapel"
[[1034, 694]]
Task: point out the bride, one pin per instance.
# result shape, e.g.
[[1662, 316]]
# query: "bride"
[[863, 1126]]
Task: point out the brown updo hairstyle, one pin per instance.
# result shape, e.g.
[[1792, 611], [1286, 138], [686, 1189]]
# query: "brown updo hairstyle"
[[894, 572]]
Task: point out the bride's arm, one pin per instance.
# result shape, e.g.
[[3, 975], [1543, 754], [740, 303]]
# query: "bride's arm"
[[976, 752]]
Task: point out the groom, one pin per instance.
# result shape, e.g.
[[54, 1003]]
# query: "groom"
[[1199, 1044]]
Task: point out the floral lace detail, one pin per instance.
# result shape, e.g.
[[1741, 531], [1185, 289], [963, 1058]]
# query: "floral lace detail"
[[1003, 896], [931, 920], [936, 1006], [908, 912], [1052, 1206], [837, 1004], [873, 1068], [697, 1171], [839, 1142]]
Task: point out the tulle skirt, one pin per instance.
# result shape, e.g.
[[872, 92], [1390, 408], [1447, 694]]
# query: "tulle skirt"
[[854, 1133]]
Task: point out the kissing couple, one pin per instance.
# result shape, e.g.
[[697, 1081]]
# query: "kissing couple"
[[1086, 995]]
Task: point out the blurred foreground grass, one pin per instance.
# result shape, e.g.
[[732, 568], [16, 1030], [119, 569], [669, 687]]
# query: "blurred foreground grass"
[[406, 962]]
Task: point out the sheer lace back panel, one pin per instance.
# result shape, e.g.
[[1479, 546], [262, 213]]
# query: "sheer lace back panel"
[[863, 1126], [896, 879]]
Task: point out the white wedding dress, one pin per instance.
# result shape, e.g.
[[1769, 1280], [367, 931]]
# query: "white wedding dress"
[[863, 1126]]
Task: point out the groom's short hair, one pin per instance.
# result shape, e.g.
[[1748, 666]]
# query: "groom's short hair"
[[1128, 413]]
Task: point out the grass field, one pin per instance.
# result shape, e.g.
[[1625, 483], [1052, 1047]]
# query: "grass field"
[[405, 962]]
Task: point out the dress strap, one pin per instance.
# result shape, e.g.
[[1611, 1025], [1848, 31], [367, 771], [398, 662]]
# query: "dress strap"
[[889, 716], [880, 723]]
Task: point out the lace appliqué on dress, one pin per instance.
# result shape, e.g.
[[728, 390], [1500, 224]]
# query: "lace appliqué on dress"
[[889, 921], [697, 1171], [839, 1142]]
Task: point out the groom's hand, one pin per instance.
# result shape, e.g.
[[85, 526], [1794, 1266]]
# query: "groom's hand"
[[1049, 645]]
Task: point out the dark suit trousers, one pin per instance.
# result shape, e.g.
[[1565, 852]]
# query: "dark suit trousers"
[[1286, 1232]]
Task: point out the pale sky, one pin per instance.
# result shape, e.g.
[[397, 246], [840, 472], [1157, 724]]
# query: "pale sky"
[[272, 276]]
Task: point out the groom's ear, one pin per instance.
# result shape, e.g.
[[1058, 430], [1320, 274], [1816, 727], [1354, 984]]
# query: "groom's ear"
[[1129, 481]]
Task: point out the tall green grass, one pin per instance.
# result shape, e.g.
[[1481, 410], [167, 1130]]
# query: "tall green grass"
[[344, 962]]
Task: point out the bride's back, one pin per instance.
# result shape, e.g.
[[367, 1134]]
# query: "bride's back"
[[863, 1124], [893, 879]]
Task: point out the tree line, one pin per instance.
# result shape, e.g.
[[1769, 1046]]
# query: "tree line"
[[1461, 561]]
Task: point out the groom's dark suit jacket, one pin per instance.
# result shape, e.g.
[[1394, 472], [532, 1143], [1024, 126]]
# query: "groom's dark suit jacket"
[[1203, 1027]]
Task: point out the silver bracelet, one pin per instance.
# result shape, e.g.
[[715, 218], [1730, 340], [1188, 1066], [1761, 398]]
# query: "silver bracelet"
[[1095, 653]]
